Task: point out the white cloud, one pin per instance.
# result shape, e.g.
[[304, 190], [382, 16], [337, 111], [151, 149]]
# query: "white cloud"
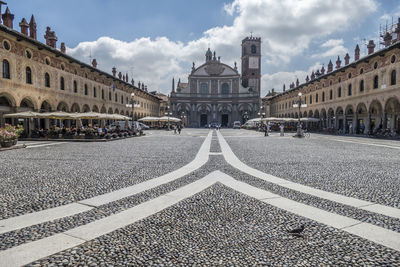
[[336, 48], [277, 79], [286, 27], [333, 43]]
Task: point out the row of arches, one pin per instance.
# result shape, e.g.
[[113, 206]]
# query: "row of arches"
[[359, 118], [9, 104]]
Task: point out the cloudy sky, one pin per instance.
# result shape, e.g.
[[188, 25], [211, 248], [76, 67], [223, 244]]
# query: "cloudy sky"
[[155, 40]]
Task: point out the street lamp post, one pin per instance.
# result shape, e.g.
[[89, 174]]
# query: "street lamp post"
[[168, 114], [299, 104], [132, 104]]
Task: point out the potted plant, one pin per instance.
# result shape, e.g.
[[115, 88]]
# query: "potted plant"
[[9, 135]]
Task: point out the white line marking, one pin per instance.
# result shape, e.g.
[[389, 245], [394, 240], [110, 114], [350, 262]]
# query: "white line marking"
[[26, 220], [30, 219], [43, 145], [231, 158], [33, 251], [364, 143]]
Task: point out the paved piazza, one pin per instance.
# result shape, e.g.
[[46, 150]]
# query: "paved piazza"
[[203, 198]]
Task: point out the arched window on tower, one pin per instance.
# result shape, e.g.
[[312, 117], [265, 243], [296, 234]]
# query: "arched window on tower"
[[349, 91], [203, 89], [86, 90], [102, 93], [28, 74], [75, 87], [393, 77], [6, 69], [47, 80], [253, 49], [225, 89]]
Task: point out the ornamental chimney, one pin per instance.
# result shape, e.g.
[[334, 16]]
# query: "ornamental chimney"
[[63, 48], [307, 79], [284, 87], [312, 75], [297, 82], [8, 18], [94, 63], [330, 66], [371, 47], [120, 75], [357, 53], [114, 71], [32, 28], [1, 3], [133, 82], [322, 70], [346, 59], [51, 38], [338, 62], [24, 27]]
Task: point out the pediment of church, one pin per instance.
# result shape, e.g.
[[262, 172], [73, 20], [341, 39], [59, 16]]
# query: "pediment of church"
[[214, 68]]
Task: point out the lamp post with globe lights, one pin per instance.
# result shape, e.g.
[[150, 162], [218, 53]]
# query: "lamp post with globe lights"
[[132, 105], [300, 105], [168, 114]]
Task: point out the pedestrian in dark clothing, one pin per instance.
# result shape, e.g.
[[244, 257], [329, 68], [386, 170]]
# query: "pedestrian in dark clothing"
[[266, 130], [179, 129]]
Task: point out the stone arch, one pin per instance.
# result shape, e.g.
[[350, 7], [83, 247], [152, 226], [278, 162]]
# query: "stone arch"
[[349, 111], [304, 114], [127, 113], [339, 111], [95, 108], [7, 100], [116, 111], [75, 108], [122, 112], [316, 114], [103, 109], [62, 106], [296, 115], [375, 107], [28, 103], [310, 114], [203, 107], [46, 106], [86, 108], [361, 109], [392, 114], [110, 111]]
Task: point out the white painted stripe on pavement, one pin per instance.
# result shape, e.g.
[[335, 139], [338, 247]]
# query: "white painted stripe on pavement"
[[200, 160], [231, 158], [33, 251], [49, 144], [26, 220], [42, 216], [365, 143]]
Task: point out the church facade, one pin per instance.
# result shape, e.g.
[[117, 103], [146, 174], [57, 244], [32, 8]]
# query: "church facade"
[[217, 93]]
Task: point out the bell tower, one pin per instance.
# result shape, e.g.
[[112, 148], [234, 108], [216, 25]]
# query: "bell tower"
[[251, 63]]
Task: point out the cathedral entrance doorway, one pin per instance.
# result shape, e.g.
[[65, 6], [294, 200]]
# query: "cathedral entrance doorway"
[[224, 120], [203, 120]]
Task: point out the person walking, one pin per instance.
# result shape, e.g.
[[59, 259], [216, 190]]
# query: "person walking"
[[179, 128], [174, 129], [266, 128], [282, 128]]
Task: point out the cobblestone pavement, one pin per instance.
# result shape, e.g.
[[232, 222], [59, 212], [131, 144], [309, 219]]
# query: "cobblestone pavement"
[[189, 220]]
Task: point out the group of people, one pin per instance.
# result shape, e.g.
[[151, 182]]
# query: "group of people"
[[177, 128], [267, 128]]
